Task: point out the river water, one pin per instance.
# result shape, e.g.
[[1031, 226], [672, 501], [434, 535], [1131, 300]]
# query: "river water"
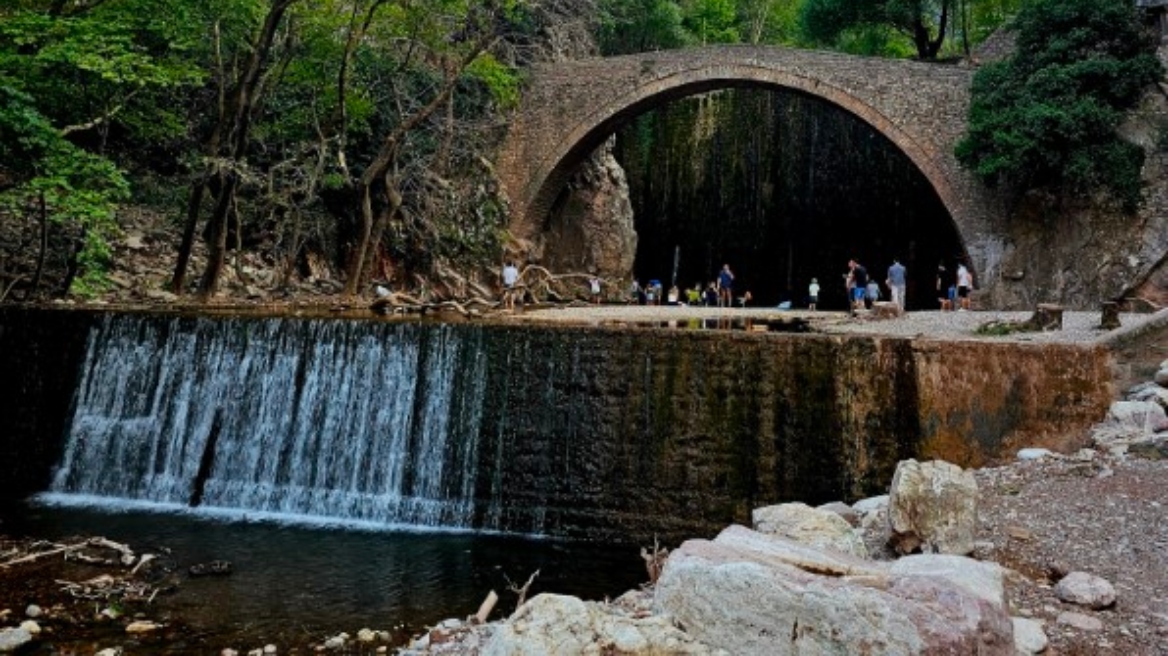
[[294, 584]]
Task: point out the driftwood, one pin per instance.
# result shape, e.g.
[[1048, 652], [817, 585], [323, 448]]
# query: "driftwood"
[[535, 281], [41, 554], [401, 303], [654, 560], [485, 608], [521, 591]]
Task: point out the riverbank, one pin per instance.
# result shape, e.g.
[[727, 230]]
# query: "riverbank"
[[1094, 511]]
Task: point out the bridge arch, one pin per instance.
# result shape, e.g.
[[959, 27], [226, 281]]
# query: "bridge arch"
[[569, 109]]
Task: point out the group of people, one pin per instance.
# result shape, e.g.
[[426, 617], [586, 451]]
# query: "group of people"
[[953, 288], [863, 290], [719, 292]]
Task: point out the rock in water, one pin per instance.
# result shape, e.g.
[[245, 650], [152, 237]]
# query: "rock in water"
[[751, 593], [932, 507], [13, 639], [213, 568], [811, 526]]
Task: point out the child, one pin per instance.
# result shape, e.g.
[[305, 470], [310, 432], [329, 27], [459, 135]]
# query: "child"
[[812, 294]]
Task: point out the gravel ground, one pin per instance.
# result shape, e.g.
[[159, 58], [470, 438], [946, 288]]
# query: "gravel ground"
[[1078, 327], [1093, 513]]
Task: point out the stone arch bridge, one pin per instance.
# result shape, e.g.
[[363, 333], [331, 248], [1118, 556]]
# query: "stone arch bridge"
[[568, 109]]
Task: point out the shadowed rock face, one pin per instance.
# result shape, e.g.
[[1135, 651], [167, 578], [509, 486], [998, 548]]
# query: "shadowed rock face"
[[590, 230], [600, 433]]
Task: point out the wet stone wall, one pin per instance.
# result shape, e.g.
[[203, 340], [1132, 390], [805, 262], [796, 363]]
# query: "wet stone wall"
[[603, 433]]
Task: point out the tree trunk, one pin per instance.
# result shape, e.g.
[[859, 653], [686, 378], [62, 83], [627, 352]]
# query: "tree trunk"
[[236, 124], [43, 248], [356, 259], [217, 248], [178, 281]]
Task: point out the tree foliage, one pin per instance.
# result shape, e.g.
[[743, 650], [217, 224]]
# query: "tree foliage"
[[1048, 115], [925, 22]]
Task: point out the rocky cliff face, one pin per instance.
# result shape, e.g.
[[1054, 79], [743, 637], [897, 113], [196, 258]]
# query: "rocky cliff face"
[[591, 228], [1080, 254]]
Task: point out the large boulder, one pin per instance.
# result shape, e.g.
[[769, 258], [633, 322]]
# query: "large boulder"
[[1138, 416], [559, 624], [814, 527], [932, 507], [751, 593], [592, 229]]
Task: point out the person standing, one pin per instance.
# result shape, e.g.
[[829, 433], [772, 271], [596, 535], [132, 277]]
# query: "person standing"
[[510, 279], [726, 287], [945, 283], [897, 283], [964, 285], [813, 294], [594, 288], [859, 283]]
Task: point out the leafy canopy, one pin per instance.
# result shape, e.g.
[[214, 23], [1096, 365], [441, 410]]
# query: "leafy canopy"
[[1047, 116]]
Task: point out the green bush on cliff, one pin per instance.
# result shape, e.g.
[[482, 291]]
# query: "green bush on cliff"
[[1047, 116]]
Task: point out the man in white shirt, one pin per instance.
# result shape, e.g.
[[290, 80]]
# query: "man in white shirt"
[[510, 279]]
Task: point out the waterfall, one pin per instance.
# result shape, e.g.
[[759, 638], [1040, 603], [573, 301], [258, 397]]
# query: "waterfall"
[[358, 422]]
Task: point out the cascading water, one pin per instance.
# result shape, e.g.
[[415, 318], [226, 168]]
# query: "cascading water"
[[333, 420]]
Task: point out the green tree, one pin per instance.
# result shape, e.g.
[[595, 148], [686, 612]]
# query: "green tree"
[[768, 21], [924, 22], [1048, 115], [629, 26], [711, 21], [74, 76]]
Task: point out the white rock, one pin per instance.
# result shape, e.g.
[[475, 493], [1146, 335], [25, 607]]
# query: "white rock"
[[1162, 377], [110, 651], [1151, 392], [751, 593], [1034, 454], [255, 652], [31, 626], [1029, 638], [981, 579], [1137, 416], [871, 504], [932, 507], [559, 624], [12, 639], [366, 636], [843, 510], [822, 529], [228, 651], [1080, 621], [142, 626], [1085, 589], [270, 649], [335, 642], [33, 611]]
